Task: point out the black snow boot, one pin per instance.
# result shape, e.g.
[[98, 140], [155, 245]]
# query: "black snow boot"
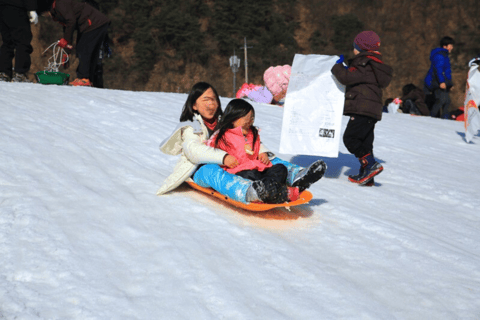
[[20, 77], [308, 176], [267, 190], [369, 169], [354, 178], [5, 77]]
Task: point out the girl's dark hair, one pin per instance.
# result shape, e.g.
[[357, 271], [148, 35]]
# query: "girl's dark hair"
[[197, 90], [236, 109]]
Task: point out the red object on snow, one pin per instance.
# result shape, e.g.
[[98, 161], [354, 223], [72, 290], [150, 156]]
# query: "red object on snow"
[[246, 89]]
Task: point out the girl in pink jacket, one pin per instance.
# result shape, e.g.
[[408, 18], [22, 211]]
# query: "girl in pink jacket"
[[236, 135]]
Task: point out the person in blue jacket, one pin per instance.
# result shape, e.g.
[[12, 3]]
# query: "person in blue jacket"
[[202, 163], [439, 77]]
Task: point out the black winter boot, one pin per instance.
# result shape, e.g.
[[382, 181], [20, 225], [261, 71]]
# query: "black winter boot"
[[5, 77], [267, 190], [369, 169], [308, 176], [354, 178], [20, 77], [277, 192]]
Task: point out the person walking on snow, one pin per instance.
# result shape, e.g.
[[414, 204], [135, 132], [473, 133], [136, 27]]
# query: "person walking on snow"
[[15, 19], [364, 78], [92, 27], [439, 77]]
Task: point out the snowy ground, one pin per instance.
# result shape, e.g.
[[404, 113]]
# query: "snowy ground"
[[83, 235]]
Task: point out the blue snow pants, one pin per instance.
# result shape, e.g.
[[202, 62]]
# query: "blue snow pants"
[[231, 185]]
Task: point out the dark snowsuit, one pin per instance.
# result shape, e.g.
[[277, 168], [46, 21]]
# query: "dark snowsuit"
[[91, 26], [16, 35], [364, 79], [439, 72], [414, 103]]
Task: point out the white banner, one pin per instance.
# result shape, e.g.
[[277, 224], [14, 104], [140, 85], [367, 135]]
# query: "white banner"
[[472, 99], [312, 118]]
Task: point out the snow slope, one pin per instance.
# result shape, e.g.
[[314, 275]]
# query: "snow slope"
[[83, 235]]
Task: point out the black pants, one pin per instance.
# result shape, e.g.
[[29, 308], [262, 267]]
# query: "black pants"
[[16, 37], [442, 102], [410, 107], [358, 136], [277, 172], [88, 49]]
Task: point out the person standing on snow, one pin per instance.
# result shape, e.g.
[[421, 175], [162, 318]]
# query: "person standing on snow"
[[92, 27], [439, 77], [15, 19], [364, 78]]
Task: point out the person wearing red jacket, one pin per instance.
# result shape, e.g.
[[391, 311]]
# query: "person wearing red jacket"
[[91, 26], [15, 19]]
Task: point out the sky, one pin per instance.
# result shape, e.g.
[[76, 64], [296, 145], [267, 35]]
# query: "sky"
[[83, 235]]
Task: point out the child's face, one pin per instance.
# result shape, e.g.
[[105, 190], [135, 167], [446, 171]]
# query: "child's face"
[[206, 104], [245, 122], [355, 51], [449, 48]]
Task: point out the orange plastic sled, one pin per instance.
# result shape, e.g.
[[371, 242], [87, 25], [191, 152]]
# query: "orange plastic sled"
[[304, 197]]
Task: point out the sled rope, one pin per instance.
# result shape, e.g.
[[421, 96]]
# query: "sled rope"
[[55, 61]]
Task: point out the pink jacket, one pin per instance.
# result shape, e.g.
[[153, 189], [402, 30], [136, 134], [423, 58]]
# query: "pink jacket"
[[237, 148]]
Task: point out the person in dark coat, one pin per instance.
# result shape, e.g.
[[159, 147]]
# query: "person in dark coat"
[[364, 78], [92, 27], [414, 100], [439, 77], [15, 19]]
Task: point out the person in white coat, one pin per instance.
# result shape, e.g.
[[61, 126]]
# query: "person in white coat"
[[201, 163]]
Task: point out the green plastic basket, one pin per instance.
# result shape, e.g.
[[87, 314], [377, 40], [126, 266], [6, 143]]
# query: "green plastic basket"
[[50, 77]]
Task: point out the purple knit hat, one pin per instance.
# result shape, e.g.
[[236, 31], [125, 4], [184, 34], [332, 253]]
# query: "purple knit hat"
[[367, 41]]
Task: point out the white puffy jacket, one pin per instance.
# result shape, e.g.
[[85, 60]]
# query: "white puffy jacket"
[[188, 140]]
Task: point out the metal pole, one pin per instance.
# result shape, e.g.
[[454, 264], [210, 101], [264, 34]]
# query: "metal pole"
[[246, 61], [234, 76], [234, 64]]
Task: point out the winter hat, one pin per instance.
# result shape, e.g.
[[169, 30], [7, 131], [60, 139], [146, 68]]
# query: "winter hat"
[[367, 41], [276, 80]]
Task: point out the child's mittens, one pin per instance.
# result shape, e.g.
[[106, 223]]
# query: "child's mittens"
[[341, 61]]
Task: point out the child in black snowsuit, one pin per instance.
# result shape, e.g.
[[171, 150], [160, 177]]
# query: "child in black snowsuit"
[[364, 79]]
